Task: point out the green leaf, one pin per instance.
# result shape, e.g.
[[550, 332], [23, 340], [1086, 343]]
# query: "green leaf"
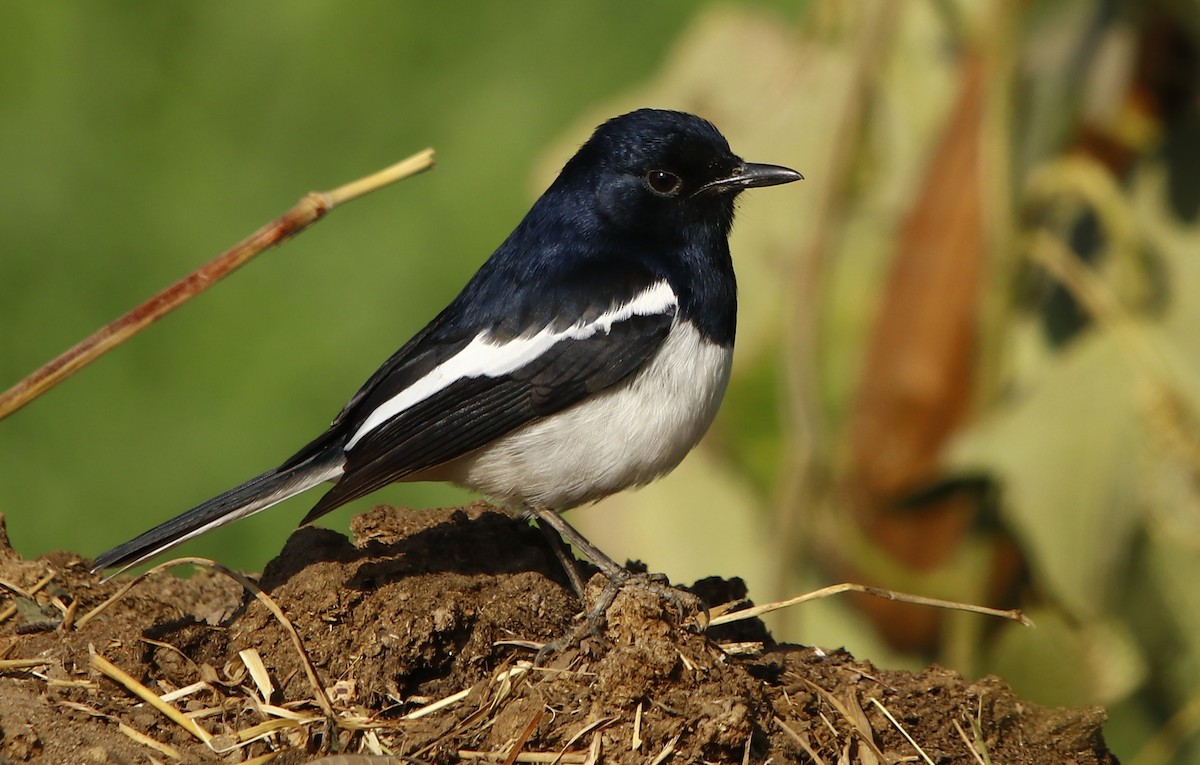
[[1065, 456]]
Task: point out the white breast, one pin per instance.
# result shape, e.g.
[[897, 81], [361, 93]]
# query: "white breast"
[[622, 437]]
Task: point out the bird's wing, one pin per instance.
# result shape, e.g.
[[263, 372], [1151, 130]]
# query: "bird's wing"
[[444, 400]]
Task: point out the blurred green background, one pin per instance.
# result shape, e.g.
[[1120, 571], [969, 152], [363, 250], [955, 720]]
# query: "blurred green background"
[[966, 361]]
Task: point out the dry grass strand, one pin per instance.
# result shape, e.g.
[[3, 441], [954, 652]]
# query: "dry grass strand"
[[837, 589], [899, 727], [121, 677], [970, 747], [145, 740]]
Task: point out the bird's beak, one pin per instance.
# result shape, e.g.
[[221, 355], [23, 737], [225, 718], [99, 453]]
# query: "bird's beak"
[[751, 174]]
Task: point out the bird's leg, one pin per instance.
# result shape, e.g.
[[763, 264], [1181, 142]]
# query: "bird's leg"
[[618, 576], [565, 557], [551, 520]]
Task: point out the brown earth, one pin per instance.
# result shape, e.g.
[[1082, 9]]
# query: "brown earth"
[[419, 634]]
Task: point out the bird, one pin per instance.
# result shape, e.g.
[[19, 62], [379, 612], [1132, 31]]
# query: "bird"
[[587, 355]]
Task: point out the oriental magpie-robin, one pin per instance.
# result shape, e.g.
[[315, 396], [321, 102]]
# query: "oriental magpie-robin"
[[588, 354]]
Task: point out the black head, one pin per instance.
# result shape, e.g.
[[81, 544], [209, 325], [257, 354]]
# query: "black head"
[[649, 197], [664, 172]]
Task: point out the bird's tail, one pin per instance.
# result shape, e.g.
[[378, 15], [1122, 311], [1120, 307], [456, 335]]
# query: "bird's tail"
[[257, 494]]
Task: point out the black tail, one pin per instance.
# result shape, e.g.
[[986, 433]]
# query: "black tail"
[[254, 495]]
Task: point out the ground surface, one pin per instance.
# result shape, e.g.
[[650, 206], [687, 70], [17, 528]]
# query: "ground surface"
[[419, 633]]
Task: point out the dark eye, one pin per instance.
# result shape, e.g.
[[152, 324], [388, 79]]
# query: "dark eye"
[[663, 183]]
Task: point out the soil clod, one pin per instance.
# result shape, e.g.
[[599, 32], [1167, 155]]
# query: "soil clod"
[[421, 632]]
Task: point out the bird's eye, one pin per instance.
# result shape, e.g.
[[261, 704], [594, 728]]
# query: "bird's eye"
[[663, 183]]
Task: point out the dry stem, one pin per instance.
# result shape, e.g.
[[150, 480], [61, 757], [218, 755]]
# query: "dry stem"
[[837, 589], [311, 208]]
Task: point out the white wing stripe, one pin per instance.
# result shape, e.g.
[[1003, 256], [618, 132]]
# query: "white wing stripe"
[[484, 358]]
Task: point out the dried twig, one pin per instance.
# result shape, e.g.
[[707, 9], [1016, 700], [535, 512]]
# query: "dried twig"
[[667, 751], [903, 732], [7, 665], [635, 742], [187, 690], [503, 676], [145, 740], [122, 677], [970, 747], [307, 211], [836, 589], [519, 744]]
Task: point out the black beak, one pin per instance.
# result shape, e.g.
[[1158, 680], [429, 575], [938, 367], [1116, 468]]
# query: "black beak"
[[751, 174]]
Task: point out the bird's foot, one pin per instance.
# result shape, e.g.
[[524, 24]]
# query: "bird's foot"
[[683, 609]]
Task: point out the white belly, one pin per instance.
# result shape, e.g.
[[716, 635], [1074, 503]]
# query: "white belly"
[[625, 436]]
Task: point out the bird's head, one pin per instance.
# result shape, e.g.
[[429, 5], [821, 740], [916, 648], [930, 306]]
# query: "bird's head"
[[665, 172]]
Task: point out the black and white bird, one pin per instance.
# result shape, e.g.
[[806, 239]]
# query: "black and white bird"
[[588, 355]]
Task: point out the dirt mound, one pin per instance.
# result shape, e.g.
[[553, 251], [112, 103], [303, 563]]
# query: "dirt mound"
[[412, 643]]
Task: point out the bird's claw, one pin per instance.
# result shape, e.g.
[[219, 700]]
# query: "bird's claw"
[[689, 610]]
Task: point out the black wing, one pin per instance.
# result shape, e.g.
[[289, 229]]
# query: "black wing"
[[474, 411], [502, 300]]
